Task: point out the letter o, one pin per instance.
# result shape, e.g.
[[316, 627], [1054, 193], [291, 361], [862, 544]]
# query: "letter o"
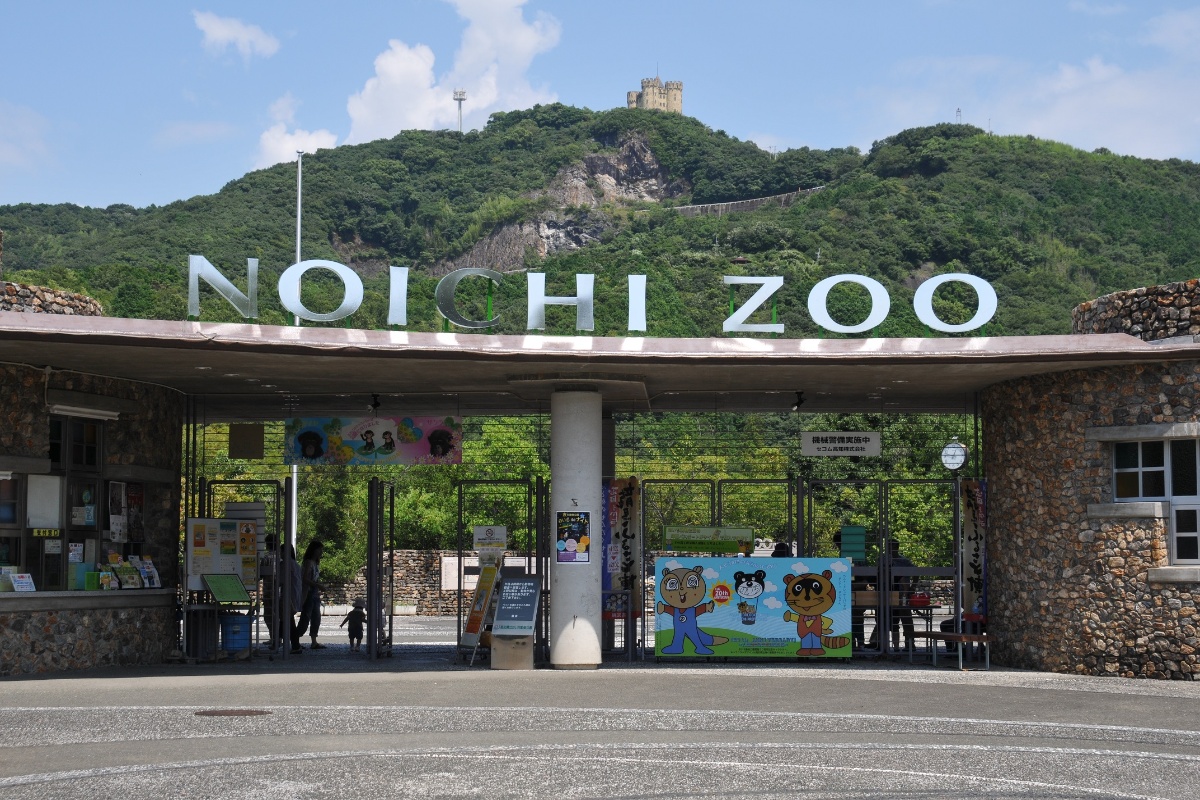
[[289, 290], [880, 303], [923, 302]]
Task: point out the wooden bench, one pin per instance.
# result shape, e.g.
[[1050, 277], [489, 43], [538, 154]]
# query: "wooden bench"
[[948, 636]]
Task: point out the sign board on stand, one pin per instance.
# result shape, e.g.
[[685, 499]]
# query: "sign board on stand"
[[516, 610]]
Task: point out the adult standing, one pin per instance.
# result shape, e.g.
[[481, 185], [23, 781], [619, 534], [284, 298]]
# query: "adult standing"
[[310, 610], [902, 586], [294, 585]]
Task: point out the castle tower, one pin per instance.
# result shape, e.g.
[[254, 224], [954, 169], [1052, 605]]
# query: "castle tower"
[[657, 96]]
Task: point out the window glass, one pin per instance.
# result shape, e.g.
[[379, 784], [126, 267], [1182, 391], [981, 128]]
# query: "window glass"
[[1152, 454], [8, 502], [1125, 455], [85, 444], [1183, 467], [56, 439], [1154, 483], [1128, 485], [1187, 548]]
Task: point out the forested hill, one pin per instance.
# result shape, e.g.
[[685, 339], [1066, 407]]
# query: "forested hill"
[[1048, 225]]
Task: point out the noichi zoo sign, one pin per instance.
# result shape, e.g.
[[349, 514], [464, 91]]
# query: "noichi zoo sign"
[[199, 268]]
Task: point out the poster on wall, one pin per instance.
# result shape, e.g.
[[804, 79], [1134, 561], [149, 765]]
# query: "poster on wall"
[[574, 530], [622, 548], [374, 440], [752, 607], [974, 546], [135, 506], [118, 520]]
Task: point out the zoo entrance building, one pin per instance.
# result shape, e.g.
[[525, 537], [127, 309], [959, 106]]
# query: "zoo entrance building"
[[1089, 451]]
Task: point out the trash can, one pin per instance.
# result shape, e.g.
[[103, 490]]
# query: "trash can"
[[235, 631]]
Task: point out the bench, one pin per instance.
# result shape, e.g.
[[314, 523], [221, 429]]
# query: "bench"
[[948, 636]]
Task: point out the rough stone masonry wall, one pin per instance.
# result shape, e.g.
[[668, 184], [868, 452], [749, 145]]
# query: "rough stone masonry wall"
[[1069, 593], [56, 641], [418, 582], [1150, 313], [40, 300]]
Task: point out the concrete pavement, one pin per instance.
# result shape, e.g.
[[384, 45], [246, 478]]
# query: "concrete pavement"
[[329, 723]]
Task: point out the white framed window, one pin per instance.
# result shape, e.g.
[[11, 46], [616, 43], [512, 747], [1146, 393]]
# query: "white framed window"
[[1164, 470]]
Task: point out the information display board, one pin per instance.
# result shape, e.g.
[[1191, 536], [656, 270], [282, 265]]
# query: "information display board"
[[516, 609], [221, 546], [227, 590]]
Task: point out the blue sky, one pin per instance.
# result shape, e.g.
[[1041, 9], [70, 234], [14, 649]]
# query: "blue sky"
[[147, 102]]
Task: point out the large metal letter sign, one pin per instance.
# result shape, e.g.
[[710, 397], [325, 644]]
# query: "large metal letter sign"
[[637, 303], [584, 315], [246, 304], [445, 296], [880, 303], [737, 320], [289, 290], [923, 302], [398, 300]]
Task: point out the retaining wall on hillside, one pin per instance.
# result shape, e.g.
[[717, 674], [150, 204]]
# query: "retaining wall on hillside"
[[42, 300]]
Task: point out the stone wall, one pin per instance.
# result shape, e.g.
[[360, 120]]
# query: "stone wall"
[[41, 300], [55, 641], [1156, 312], [1069, 588], [741, 206], [24, 424], [418, 582]]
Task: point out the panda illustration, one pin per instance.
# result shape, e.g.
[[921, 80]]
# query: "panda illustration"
[[749, 587]]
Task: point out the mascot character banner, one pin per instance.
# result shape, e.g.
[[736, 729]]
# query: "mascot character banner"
[[374, 440], [760, 607]]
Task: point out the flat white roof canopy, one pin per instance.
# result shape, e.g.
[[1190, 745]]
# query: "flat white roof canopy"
[[262, 372]]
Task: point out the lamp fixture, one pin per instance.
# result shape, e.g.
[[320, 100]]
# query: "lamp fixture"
[[799, 401], [80, 411]]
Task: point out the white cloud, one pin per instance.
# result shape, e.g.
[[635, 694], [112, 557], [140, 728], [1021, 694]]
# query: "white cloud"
[[222, 32], [278, 144], [773, 602], [496, 49], [22, 136], [1177, 32]]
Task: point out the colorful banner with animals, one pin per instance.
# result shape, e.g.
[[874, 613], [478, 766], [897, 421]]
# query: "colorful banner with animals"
[[374, 440], [752, 607]]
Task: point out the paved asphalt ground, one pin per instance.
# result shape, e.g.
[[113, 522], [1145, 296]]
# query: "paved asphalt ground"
[[422, 724]]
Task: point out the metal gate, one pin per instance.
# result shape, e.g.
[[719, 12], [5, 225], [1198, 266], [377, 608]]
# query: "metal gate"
[[882, 525], [381, 568]]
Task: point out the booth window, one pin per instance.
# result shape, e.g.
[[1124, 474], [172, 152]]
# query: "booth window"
[[1164, 470], [10, 522]]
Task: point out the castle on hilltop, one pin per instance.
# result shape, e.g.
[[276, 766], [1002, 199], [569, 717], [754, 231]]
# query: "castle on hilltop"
[[655, 94]]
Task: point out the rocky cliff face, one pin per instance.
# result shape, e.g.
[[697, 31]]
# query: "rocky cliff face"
[[578, 192]]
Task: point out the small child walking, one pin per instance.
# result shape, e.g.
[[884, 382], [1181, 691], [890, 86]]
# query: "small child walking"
[[357, 618]]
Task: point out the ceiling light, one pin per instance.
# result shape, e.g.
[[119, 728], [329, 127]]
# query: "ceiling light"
[[80, 411]]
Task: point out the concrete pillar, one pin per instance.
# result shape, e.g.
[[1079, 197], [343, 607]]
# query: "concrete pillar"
[[575, 485]]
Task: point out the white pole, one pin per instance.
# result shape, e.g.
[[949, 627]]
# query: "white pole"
[[294, 495]]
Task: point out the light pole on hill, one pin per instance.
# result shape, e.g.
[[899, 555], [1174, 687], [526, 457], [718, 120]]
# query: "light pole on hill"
[[459, 96]]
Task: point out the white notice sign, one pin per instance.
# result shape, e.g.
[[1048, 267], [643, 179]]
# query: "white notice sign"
[[841, 443]]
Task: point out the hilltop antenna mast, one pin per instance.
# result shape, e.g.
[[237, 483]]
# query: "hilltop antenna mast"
[[459, 96]]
